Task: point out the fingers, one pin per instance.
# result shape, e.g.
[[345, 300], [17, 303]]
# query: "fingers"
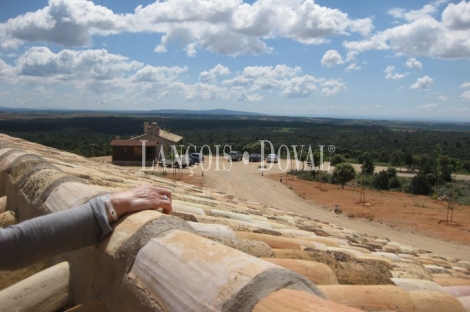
[[166, 198], [166, 207], [155, 197], [162, 191], [143, 197]]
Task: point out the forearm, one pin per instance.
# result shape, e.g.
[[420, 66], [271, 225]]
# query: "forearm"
[[46, 236]]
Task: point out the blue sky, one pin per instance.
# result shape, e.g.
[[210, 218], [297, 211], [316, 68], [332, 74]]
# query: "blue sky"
[[335, 58]]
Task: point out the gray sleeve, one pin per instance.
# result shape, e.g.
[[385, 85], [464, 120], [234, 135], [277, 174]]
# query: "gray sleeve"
[[44, 237]]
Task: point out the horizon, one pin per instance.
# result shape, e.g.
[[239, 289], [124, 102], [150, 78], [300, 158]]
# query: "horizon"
[[400, 61], [241, 113]]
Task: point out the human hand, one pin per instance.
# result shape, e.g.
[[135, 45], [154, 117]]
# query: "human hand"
[[143, 197]]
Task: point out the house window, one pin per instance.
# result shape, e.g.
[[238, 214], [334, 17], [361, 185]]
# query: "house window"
[[138, 150], [125, 149]]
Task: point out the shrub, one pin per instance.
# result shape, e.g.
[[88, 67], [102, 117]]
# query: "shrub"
[[381, 181], [391, 172], [419, 185], [309, 175], [337, 159], [367, 164], [394, 183], [431, 178], [344, 173], [326, 177]]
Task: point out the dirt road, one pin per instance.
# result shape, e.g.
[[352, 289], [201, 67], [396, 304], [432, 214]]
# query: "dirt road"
[[247, 181]]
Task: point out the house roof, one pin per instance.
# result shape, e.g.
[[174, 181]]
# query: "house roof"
[[163, 134], [246, 251], [117, 142]]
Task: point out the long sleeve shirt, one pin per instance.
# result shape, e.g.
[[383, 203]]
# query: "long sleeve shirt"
[[43, 237]]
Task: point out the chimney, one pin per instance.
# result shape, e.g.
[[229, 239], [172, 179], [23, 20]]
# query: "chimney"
[[155, 129], [146, 127]]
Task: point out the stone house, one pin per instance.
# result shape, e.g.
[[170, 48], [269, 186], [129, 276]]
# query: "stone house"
[[155, 140]]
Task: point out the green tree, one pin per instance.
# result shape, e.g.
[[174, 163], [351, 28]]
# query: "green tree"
[[337, 159], [316, 159], [384, 157], [420, 185], [343, 173], [393, 178], [391, 172], [446, 167], [466, 166], [367, 164], [408, 160], [381, 180], [396, 159], [431, 178], [427, 165], [253, 147]]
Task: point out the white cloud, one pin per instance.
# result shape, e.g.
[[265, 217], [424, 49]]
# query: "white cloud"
[[465, 96], [423, 35], [429, 106], [6, 71], [362, 26], [422, 83], [302, 21], [205, 92], [332, 87], [457, 16], [263, 77], [459, 109], [94, 73], [331, 58], [442, 98], [351, 56], [43, 91], [352, 67], [414, 63], [158, 74], [229, 27], [287, 80], [209, 76], [71, 64], [427, 10], [64, 22], [241, 95], [391, 75], [299, 87], [466, 84], [397, 12]]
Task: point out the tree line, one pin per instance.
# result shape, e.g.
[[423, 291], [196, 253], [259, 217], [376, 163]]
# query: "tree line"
[[431, 151]]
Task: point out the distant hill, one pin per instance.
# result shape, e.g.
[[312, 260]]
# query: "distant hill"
[[211, 112], [224, 112]]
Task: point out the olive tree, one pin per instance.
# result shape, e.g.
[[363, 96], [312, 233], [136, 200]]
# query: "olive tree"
[[337, 159], [367, 164], [343, 173]]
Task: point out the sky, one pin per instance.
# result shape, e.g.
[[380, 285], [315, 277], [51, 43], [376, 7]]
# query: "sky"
[[338, 58]]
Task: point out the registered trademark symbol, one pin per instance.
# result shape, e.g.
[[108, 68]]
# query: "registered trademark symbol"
[[331, 148]]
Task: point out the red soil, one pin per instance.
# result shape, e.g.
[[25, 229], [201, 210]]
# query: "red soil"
[[417, 214]]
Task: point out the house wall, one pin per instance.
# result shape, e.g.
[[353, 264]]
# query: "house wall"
[[161, 142], [132, 155], [167, 149]]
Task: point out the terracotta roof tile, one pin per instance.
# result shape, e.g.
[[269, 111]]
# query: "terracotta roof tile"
[[118, 142], [212, 261]]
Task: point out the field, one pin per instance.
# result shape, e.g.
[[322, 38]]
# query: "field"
[[406, 212], [401, 217], [397, 211]]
